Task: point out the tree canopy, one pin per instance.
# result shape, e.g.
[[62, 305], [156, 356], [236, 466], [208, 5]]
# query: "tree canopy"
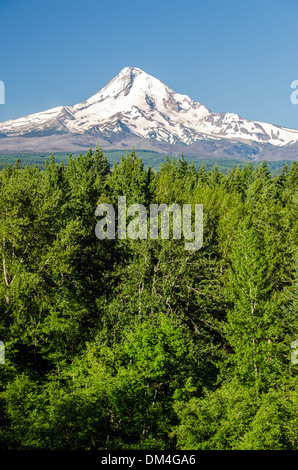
[[141, 344]]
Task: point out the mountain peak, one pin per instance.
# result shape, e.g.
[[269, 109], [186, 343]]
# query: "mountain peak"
[[129, 70], [128, 74], [119, 85], [137, 104]]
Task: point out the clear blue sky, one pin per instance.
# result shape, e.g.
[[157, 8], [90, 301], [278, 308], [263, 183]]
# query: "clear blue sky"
[[231, 55]]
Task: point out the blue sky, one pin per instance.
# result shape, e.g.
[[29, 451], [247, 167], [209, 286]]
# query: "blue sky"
[[235, 56]]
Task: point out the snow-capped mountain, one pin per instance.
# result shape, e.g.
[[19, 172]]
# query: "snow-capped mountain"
[[137, 105]]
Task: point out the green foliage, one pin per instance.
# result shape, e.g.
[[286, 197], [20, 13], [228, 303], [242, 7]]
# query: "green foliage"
[[255, 326], [218, 420], [235, 418], [117, 344]]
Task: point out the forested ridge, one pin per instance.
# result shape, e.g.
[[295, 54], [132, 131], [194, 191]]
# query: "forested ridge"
[[141, 344]]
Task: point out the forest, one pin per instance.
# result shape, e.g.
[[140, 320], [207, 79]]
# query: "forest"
[[141, 344]]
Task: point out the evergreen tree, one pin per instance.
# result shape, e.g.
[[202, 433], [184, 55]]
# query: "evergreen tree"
[[254, 326]]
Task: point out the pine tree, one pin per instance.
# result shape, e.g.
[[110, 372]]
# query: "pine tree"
[[101, 164], [254, 326]]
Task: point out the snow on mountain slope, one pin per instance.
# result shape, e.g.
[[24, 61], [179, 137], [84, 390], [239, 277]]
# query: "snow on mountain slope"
[[137, 103]]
